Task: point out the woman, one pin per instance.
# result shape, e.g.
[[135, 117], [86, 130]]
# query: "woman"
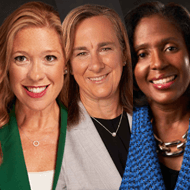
[[33, 118], [99, 98], [159, 148]]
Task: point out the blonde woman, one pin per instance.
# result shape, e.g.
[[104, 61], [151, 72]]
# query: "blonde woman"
[[33, 118]]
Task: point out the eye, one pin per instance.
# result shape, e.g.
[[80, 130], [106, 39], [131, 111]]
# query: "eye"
[[81, 54], [141, 55], [106, 49], [20, 59], [50, 58], [170, 48]]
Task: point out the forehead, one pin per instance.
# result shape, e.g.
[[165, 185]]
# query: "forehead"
[[154, 28], [36, 37], [95, 28]]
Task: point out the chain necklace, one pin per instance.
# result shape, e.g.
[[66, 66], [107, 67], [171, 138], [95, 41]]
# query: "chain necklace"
[[165, 150], [37, 143], [114, 133]]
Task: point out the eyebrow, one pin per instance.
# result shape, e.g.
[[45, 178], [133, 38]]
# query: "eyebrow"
[[161, 42], [102, 44], [44, 52]]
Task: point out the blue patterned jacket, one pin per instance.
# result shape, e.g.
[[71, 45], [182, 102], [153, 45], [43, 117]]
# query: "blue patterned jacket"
[[142, 170]]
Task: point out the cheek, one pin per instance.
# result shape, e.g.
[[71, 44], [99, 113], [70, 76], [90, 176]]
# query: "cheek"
[[138, 72], [115, 62], [57, 73], [186, 65], [79, 67], [15, 76]]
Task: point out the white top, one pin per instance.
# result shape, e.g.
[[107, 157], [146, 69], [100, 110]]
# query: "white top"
[[41, 180]]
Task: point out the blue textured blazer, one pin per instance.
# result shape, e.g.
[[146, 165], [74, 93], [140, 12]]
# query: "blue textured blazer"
[[142, 168]]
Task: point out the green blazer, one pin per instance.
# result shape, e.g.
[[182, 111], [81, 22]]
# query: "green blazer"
[[13, 172]]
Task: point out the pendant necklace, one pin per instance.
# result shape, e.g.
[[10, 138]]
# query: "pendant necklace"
[[114, 133], [36, 143]]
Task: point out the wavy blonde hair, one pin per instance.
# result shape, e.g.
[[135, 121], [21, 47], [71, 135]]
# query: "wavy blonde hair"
[[70, 23], [32, 14]]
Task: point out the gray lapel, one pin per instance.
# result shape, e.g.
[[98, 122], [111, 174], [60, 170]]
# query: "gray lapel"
[[87, 159], [130, 121]]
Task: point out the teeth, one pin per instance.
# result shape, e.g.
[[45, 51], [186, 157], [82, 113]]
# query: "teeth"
[[36, 90], [163, 81], [97, 78]]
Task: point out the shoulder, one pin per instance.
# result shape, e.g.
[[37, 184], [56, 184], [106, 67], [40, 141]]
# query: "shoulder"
[[141, 118], [7, 130]]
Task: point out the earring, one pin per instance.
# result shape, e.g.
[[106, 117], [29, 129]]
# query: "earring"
[[65, 71], [124, 63]]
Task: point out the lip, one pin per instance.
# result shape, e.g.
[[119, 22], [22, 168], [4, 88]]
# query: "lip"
[[98, 79], [163, 82], [33, 93]]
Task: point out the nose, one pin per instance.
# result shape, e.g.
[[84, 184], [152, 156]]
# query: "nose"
[[158, 61], [96, 63], [36, 71]]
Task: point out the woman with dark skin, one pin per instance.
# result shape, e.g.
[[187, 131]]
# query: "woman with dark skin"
[[159, 148]]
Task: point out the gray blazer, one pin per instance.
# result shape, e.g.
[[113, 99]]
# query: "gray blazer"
[[87, 164]]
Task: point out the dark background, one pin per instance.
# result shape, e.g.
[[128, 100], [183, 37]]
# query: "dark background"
[[63, 6], [8, 6], [127, 5]]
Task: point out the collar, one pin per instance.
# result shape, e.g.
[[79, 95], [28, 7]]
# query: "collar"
[[143, 149], [13, 172]]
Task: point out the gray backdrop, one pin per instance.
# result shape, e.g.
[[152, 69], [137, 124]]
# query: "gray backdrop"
[[126, 5], [8, 6], [63, 6]]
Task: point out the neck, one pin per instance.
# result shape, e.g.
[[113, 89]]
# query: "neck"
[[37, 119], [102, 108], [170, 121]]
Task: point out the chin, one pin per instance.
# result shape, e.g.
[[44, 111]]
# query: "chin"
[[102, 95], [165, 101]]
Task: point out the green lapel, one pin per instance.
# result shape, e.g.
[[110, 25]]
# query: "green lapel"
[[13, 173], [61, 144]]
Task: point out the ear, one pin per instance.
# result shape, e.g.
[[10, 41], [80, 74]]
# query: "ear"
[[65, 71], [71, 71], [124, 59]]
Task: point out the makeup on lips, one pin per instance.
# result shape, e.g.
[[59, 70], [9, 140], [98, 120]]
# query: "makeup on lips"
[[163, 82], [36, 91]]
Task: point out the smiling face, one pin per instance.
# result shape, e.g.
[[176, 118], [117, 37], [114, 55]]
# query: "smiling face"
[[97, 60], [36, 67], [162, 71]]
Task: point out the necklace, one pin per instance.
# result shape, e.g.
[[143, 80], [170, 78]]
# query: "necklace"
[[36, 143], [114, 133], [164, 147]]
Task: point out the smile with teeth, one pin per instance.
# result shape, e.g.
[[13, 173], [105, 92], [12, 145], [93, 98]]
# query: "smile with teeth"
[[36, 89], [164, 80], [98, 78]]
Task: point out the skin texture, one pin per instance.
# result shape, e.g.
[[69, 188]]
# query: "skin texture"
[[97, 65], [37, 61], [162, 53]]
